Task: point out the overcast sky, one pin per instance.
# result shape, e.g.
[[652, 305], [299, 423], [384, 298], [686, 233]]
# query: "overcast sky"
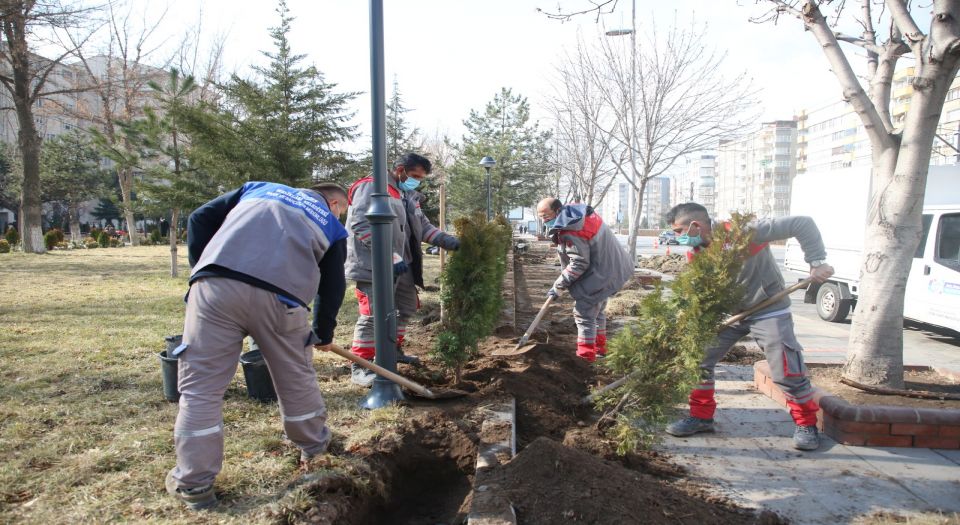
[[451, 56]]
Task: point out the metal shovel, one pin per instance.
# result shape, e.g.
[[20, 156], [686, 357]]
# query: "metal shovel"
[[522, 346], [730, 321], [416, 388]]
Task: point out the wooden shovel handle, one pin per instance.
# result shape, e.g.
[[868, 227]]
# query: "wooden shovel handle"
[[536, 321], [396, 378], [730, 321]]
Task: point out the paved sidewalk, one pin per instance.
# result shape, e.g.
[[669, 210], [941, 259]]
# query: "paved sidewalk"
[[751, 459]]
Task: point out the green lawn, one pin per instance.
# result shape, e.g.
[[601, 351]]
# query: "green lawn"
[[85, 434]]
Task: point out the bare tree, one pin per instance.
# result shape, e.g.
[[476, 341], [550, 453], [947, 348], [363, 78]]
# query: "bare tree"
[[587, 160], [119, 72], [28, 78], [674, 101], [901, 157]]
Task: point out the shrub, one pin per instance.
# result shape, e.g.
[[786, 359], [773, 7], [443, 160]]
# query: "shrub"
[[91, 244], [95, 232], [155, 237], [63, 245], [115, 242], [663, 349], [12, 236], [471, 294], [104, 239], [4, 246], [50, 239]]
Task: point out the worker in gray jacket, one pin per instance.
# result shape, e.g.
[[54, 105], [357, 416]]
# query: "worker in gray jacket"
[[410, 228], [259, 255], [595, 266], [771, 326]]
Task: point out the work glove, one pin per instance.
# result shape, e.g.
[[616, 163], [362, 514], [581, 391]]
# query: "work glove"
[[553, 293], [399, 266], [453, 244]]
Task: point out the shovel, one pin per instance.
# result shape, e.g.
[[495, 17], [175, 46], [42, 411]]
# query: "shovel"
[[522, 346], [730, 321], [416, 388]]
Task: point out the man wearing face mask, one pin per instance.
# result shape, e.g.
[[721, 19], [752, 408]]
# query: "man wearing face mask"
[[410, 228], [772, 327], [595, 267], [259, 254]]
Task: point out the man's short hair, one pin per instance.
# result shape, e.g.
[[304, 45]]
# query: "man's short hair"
[[686, 212], [411, 160], [330, 190], [556, 205]]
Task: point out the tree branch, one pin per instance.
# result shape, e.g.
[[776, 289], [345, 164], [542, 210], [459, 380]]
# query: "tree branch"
[[857, 41], [901, 16]]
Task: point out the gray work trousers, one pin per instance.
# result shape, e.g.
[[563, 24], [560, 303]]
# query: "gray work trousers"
[[405, 300], [220, 313]]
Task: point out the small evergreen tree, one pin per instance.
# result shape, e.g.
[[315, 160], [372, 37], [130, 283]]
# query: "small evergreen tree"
[[472, 294], [662, 351]]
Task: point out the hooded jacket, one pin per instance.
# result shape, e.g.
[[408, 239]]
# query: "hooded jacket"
[[410, 228], [595, 266], [760, 275]]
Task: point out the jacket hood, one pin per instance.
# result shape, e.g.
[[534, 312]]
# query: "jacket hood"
[[571, 217]]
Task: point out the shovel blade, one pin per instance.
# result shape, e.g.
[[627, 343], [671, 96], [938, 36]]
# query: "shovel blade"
[[440, 394], [517, 350]]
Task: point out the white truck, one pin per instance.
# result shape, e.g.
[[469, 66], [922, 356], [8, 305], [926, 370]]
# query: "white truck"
[[837, 201]]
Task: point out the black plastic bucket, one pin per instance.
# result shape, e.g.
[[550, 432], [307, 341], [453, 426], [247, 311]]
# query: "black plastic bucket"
[[168, 368], [257, 377], [173, 341]]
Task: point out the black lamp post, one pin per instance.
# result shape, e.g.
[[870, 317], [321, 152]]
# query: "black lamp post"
[[487, 163]]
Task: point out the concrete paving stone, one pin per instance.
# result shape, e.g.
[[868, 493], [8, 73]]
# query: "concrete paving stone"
[[751, 460]]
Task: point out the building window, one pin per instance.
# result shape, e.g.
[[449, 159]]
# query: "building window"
[[954, 93]]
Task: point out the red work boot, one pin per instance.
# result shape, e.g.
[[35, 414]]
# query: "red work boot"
[[601, 345], [587, 352]]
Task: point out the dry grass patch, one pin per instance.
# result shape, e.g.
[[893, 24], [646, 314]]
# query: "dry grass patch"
[[85, 435]]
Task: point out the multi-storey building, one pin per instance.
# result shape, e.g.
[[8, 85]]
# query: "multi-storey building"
[[754, 173], [832, 136], [696, 183]]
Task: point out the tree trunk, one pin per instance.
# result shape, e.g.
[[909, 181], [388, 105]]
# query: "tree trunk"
[[125, 177], [875, 353], [31, 226], [172, 235], [73, 212], [635, 222]]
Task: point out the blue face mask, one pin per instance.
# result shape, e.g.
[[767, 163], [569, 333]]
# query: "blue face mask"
[[689, 240], [410, 184], [549, 224]]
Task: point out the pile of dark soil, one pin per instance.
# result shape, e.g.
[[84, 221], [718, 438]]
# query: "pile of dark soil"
[[669, 264], [744, 354], [549, 483], [828, 378]]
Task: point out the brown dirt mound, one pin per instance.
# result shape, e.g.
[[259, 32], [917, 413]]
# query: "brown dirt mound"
[[598, 491], [670, 264]]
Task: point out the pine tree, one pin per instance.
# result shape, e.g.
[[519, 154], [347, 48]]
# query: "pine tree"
[[70, 173], [504, 132], [288, 122]]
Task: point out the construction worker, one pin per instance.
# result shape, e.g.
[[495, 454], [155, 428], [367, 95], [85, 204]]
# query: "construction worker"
[[595, 267], [410, 228], [259, 255], [772, 326]]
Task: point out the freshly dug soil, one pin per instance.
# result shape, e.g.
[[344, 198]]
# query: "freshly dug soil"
[[669, 264], [744, 354], [828, 378], [549, 483]]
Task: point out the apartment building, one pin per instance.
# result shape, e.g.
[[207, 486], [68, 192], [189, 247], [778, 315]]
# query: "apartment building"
[[754, 173], [696, 183]]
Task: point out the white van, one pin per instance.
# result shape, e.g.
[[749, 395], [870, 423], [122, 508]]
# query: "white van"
[[837, 201]]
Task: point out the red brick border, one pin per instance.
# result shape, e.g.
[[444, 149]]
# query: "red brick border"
[[874, 425]]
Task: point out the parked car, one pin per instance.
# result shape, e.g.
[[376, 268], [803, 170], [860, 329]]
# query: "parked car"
[[668, 237]]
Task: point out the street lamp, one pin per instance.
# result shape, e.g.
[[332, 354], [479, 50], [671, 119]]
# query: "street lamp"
[[487, 163]]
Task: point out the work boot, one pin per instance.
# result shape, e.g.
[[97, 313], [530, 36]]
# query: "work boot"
[[196, 498], [806, 438], [407, 359], [689, 426], [587, 352], [361, 376]]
